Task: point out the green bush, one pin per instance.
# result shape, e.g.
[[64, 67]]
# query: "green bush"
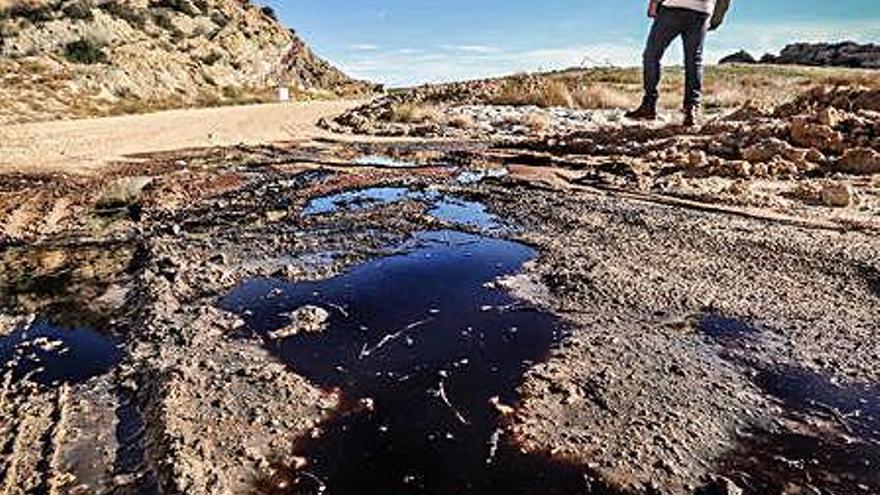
[[85, 51], [184, 6], [212, 58], [269, 12], [80, 9], [37, 14], [8, 28], [135, 17]]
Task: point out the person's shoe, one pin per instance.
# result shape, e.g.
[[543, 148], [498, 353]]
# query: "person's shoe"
[[644, 112], [692, 117]]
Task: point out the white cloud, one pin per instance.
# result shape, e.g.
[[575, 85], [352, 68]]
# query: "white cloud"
[[409, 66], [471, 48], [363, 47]]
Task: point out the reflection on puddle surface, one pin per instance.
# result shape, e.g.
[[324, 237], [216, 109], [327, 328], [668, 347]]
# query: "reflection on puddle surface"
[[48, 355], [383, 161], [462, 212], [361, 198], [445, 208], [831, 440], [419, 347], [475, 176], [832, 446]]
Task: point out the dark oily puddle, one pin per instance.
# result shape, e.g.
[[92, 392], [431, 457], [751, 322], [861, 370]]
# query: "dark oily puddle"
[[46, 354], [423, 351], [446, 208], [829, 438], [70, 294]]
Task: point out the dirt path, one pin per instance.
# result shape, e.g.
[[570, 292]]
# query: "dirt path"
[[84, 146]]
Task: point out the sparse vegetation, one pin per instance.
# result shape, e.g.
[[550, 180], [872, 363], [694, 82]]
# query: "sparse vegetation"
[[183, 6], [461, 121], [136, 18], [80, 9], [8, 28], [85, 51], [537, 122], [269, 12], [33, 12], [726, 86], [212, 58], [414, 113]]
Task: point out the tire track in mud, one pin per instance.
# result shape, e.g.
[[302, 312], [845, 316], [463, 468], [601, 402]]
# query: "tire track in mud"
[[34, 444]]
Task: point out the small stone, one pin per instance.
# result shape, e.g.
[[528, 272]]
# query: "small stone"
[[697, 159], [837, 195], [829, 116], [502, 409], [307, 319]]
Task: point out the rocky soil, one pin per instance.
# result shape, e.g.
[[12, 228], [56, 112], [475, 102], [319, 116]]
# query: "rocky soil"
[[719, 287], [77, 58]]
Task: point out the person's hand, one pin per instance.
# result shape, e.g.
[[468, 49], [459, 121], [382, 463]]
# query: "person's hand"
[[653, 7]]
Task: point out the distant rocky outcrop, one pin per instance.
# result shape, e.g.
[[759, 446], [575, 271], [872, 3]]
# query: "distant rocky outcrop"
[[740, 57], [62, 58], [845, 54]]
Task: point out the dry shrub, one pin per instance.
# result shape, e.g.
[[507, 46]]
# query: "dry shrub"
[[537, 122], [461, 121], [414, 113], [595, 96], [555, 93], [534, 91]]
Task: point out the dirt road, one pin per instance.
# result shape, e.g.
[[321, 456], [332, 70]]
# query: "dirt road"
[[84, 146]]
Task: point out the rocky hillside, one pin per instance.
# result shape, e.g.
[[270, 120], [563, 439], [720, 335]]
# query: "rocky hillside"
[[70, 58], [845, 54]]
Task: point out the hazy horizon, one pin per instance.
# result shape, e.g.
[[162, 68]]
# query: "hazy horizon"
[[405, 42]]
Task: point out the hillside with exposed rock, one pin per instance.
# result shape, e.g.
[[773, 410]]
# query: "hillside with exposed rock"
[[75, 58], [844, 54]]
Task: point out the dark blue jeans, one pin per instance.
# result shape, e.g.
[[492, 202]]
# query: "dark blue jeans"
[[671, 23]]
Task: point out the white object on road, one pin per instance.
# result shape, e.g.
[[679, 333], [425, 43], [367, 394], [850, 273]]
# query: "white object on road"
[[283, 94]]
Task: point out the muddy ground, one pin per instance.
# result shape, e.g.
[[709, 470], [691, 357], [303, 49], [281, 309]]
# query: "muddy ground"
[[711, 330]]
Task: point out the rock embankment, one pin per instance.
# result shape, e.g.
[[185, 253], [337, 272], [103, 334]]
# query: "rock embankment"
[[86, 57], [844, 54]]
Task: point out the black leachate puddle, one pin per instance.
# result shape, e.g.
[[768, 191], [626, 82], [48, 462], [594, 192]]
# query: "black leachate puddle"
[[830, 441], [418, 346], [49, 355], [445, 208]]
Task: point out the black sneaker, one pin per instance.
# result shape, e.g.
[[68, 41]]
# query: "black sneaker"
[[644, 112], [692, 117]]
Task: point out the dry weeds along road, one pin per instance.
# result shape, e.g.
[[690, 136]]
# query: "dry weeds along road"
[[487, 327]]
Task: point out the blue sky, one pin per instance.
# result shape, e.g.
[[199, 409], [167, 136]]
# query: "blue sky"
[[404, 42]]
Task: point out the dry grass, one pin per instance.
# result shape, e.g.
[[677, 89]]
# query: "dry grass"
[[594, 95], [414, 113], [537, 122], [725, 86], [460, 121]]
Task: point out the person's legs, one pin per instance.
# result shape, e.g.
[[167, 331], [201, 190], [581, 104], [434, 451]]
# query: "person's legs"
[[663, 32], [694, 39]]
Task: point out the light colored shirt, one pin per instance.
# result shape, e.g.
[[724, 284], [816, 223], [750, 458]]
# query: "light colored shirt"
[[705, 6]]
